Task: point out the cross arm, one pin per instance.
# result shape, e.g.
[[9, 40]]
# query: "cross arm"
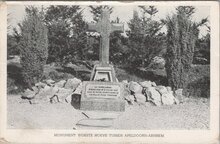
[[117, 27], [93, 27]]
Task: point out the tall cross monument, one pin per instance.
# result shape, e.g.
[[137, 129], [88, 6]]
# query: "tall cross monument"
[[104, 71]]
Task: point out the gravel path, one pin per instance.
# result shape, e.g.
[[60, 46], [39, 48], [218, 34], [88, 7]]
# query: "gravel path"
[[193, 114]]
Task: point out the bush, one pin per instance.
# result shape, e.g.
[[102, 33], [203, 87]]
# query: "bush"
[[199, 81], [33, 47], [182, 34]]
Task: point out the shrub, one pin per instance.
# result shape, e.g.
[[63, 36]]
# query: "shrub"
[[33, 46], [181, 37], [199, 81]]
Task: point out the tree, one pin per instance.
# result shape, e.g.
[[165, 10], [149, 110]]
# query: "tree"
[[33, 46], [97, 10], [202, 50], [145, 39], [182, 34], [118, 46], [12, 45], [67, 33]]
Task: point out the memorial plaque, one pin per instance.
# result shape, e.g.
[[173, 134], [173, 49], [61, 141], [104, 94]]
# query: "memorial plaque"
[[103, 96], [102, 91]]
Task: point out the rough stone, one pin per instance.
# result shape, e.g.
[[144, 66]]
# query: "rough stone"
[[35, 89], [63, 93], [29, 94], [46, 93], [146, 84], [50, 82], [72, 83], [130, 99], [60, 84], [78, 90], [153, 95], [153, 84], [161, 89], [40, 85], [169, 89], [168, 99], [54, 99], [179, 95], [140, 98], [135, 87], [125, 81], [150, 103]]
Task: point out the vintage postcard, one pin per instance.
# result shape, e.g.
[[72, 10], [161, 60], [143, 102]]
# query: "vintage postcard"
[[109, 72]]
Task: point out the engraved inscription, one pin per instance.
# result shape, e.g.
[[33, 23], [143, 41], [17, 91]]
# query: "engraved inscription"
[[102, 91]]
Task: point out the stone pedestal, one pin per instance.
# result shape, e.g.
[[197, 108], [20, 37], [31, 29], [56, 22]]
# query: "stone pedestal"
[[103, 72]]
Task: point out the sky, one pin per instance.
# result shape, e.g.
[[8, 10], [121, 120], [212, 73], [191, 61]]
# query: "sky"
[[16, 14]]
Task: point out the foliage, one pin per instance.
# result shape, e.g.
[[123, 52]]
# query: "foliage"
[[12, 46], [96, 11], [66, 35], [181, 37], [199, 81], [202, 50], [33, 46], [145, 39]]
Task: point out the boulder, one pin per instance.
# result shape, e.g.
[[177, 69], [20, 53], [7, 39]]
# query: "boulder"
[[146, 84], [179, 95], [40, 85], [125, 82], [78, 90], [161, 89], [35, 89], [33, 101], [50, 82], [29, 94], [63, 93], [126, 92], [140, 98], [130, 99], [72, 83], [168, 99], [68, 99], [169, 89], [150, 103], [54, 99], [153, 84], [153, 95], [46, 93], [135, 87], [60, 84]]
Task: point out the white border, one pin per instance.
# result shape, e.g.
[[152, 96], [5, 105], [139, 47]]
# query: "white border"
[[170, 136]]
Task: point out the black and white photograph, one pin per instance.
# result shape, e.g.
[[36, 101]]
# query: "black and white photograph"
[[105, 66]]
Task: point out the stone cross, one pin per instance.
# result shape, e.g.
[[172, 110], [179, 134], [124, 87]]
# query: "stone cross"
[[104, 27]]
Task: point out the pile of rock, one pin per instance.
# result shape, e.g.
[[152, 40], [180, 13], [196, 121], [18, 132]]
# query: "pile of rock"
[[51, 91], [62, 91], [148, 91]]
